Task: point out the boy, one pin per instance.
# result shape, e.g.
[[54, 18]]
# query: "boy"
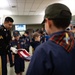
[[57, 55], [36, 42], [26, 40], [17, 43]]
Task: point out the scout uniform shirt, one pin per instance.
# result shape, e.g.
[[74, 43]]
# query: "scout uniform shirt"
[[54, 57]]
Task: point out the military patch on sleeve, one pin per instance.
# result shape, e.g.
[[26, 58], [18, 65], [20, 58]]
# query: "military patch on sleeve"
[[1, 37]]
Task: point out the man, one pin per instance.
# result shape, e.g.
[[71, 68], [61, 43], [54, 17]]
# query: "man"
[[5, 37], [57, 55]]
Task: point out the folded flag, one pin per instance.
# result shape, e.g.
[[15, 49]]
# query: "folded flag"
[[24, 54]]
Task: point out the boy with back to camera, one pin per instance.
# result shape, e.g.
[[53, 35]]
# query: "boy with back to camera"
[[57, 55], [36, 42]]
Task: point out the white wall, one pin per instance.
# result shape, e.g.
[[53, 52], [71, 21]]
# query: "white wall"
[[27, 19], [18, 19], [73, 19]]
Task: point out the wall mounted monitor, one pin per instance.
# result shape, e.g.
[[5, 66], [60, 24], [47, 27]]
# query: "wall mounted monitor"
[[20, 27]]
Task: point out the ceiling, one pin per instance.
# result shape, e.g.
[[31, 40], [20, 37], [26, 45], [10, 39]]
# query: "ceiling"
[[30, 7]]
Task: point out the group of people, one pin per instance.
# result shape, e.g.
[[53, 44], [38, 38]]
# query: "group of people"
[[19, 42], [56, 56]]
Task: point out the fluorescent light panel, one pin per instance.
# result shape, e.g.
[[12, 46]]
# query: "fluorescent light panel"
[[5, 12], [3, 4]]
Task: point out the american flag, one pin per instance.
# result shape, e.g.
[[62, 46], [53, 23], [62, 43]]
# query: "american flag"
[[24, 54]]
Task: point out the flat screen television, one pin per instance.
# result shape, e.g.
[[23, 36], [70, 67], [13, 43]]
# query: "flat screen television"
[[20, 27]]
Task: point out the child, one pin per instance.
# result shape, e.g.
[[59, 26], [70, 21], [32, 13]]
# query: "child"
[[57, 55], [26, 40], [36, 42], [18, 61]]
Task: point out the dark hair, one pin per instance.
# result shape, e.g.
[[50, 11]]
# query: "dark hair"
[[61, 23], [8, 19], [41, 32], [27, 32], [37, 30], [73, 26]]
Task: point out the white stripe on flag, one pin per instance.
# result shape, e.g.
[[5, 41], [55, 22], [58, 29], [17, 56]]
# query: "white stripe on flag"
[[23, 54]]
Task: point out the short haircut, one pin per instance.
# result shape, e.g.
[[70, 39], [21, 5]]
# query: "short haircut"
[[8, 19], [26, 32], [73, 26], [40, 31], [35, 34], [61, 23]]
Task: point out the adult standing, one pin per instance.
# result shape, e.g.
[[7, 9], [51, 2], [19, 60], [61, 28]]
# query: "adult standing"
[[5, 37]]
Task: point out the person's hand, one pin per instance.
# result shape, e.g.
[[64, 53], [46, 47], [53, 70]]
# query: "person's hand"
[[13, 49], [72, 31]]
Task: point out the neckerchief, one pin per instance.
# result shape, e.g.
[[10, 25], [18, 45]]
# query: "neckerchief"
[[65, 39]]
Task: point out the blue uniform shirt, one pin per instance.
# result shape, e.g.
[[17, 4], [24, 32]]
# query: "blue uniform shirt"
[[14, 43], [18, 61], [50, 58], [26, 40], [34, 44]]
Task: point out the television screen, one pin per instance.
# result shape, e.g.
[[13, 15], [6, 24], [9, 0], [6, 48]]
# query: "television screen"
[[20, 27]]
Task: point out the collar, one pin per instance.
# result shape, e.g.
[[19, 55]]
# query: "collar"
[[57, 33], [64, 39]]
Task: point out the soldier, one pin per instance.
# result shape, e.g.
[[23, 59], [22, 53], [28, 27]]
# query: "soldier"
[[5, 37], [57, 55]]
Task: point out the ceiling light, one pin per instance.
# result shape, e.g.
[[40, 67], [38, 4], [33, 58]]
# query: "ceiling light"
[[3, 3], [42, 13], [5, 12]]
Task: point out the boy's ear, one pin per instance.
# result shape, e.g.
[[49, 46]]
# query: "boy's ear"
[[48, 22]]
